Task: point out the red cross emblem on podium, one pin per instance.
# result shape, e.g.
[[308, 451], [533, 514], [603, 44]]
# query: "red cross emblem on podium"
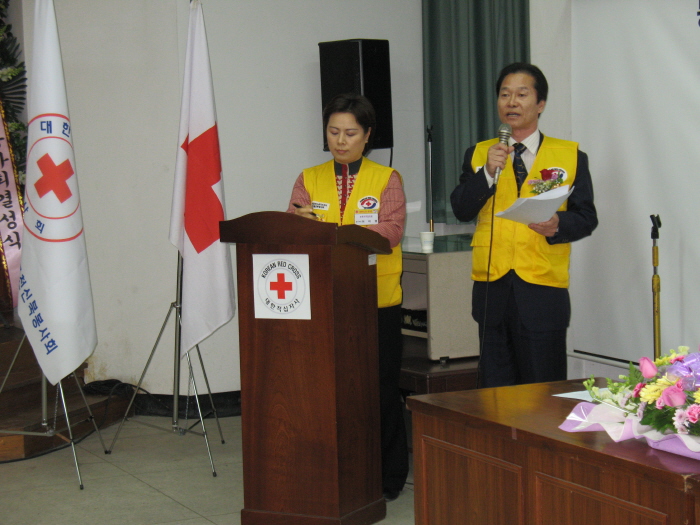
[[54, 178], [281, 286]]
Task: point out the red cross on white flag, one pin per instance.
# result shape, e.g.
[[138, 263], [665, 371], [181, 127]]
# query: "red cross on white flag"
[[54, 178], [198, 199]]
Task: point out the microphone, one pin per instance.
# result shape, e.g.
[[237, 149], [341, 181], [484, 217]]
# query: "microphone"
[[504, 133]]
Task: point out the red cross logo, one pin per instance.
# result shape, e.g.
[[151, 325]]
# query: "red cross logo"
[[281, 286], [54, 178]]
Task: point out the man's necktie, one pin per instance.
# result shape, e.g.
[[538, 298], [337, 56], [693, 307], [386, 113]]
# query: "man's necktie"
[[518, 164]]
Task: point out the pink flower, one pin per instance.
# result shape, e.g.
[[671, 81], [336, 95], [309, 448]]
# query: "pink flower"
[[637, 389], [677, 358], [693, 413], [679, 421], [647, 367], [673, 396], [549, 174], [641, 409]]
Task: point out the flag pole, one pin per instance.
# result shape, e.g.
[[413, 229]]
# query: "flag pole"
[[178, 334]]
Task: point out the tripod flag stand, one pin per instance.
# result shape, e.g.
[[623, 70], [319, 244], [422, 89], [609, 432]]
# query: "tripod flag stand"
[[175, 427], [53, 430]]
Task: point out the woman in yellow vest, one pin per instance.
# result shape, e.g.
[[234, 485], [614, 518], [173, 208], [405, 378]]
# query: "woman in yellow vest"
[[351, 189]]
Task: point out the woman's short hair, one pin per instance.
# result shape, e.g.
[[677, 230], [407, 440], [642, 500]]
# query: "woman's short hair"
[[359, 106]]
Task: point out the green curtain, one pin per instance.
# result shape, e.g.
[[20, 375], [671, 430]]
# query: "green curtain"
[[465, 45]]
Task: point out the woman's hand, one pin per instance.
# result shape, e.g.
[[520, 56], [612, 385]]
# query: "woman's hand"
[[305, 211]]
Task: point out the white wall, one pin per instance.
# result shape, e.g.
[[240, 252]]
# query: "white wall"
[[123, 62], [550, 50]]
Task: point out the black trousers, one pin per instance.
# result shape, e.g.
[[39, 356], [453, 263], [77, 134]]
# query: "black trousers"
[[393, 427], [522, 331]]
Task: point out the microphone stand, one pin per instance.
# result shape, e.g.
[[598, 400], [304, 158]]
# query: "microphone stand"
[[429, 192], [656, 284]]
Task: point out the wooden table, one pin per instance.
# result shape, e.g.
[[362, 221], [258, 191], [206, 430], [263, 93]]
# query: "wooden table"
[[496, 456]]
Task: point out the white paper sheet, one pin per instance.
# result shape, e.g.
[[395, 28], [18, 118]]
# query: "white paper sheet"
[[581, 395], [539, 208]]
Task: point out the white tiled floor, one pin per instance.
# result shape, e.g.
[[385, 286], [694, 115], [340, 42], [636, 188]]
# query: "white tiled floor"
[[151, 477]]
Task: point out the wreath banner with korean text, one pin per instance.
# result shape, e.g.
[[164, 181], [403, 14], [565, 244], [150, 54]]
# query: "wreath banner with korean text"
[[11, 220]]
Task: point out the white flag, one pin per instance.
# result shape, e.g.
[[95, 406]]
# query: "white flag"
[[198, 199], [55, 298]]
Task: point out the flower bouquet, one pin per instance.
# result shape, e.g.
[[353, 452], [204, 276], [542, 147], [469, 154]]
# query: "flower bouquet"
[[659, 401], [551, 178]]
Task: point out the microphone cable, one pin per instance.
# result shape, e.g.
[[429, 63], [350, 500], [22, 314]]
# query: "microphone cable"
[[504, 133], [482, 328]]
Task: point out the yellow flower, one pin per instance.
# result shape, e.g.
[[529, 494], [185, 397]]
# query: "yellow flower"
[[663, 361], [666, 360], [652, 391], [696, 396]]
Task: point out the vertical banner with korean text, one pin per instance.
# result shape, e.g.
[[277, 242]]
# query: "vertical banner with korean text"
[[55, 297]]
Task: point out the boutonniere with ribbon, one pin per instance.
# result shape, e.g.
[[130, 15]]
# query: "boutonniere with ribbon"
[[551, 178]]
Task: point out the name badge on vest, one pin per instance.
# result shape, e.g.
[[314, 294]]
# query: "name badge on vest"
[[319, 208], [366, 217]]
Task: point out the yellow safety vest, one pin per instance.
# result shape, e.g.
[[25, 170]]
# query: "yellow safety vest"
[[515, 246], [370, 182]]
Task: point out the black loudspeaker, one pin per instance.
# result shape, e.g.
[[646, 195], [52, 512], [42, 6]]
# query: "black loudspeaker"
[[359, 66]]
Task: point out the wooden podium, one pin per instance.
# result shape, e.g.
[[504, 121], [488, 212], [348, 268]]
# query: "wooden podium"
[[310, 387]]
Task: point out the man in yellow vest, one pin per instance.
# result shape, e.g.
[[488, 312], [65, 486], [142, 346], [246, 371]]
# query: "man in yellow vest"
[[520, 297]]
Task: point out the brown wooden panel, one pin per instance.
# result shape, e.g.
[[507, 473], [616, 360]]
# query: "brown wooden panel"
[[465, 483], [558, 502], [358, 409], [11, 447], [451, 462], [570, 489], [288, 398]]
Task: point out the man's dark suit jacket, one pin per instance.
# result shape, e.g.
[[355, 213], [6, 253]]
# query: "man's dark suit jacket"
[[541, 307]]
